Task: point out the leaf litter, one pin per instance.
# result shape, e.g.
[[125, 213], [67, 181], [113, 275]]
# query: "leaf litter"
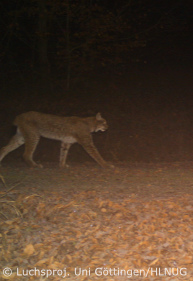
[[89, 229]]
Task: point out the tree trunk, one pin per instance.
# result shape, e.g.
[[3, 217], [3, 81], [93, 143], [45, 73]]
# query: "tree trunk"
[[42, 43], [68, 52]]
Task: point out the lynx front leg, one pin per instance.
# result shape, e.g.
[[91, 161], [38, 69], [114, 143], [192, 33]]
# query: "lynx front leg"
[[14, 143], [89, 146], [63, 153]]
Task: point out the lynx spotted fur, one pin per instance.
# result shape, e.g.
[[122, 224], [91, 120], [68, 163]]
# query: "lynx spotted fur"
[[32, 125]]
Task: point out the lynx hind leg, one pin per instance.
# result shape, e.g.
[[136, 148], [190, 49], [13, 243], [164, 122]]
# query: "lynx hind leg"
[[15, 142], [31, 141], [63, 154]]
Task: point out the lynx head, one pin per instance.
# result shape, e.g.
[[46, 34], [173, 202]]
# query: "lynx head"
[[101, 123]]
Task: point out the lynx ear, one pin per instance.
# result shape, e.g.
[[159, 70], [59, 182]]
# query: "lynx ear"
[[98, 116]]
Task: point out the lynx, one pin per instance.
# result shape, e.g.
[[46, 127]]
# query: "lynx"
[[32, 125]]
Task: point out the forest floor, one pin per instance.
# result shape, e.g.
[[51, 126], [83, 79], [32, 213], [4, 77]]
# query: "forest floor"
[[88, 223]]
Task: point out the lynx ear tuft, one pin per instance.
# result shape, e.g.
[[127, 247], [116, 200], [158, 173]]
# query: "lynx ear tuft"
[[98, 116]]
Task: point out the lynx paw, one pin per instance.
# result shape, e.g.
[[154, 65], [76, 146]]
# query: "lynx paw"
[[64, 166], [35, 165], [108, 165]]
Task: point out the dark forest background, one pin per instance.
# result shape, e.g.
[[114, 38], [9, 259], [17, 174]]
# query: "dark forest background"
[[130, 60]]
